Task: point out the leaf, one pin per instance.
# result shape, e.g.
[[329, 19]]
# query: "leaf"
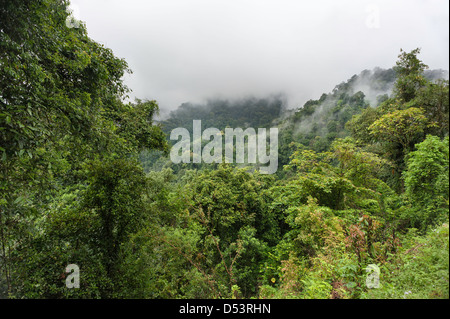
[[351, 284]]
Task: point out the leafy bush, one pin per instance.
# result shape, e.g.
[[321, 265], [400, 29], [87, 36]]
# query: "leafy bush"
[[421, 270], [427, 182]]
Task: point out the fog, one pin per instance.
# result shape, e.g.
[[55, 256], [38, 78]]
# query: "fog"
[[191, 50]]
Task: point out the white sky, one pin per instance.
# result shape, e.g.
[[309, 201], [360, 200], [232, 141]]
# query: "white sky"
[[190, 50]]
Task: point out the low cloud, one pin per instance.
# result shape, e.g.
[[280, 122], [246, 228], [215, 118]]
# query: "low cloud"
[[191, 50]]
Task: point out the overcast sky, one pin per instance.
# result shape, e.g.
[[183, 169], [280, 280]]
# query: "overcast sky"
[[190, 50]]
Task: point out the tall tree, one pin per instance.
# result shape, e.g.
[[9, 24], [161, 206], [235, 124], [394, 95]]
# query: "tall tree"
[[410, 79], [61, 104], [427, 181]]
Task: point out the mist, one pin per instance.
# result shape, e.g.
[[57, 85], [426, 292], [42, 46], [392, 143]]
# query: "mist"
[[193, 50]]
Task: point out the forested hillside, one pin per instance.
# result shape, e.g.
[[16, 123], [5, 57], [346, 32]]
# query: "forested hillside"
[[359, 206]]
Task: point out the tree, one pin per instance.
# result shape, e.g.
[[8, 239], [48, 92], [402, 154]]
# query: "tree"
[[61, 105], [115, 194], [434, 100], [410, 79], [90, 226], [427, 182], [236, 227], [417, 107], [401, 126], [359, 125], [343, 178], [54, 79]]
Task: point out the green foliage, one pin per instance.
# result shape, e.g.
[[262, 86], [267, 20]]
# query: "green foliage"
[[72, 190], [55, 79], [427, 182], [416, 108], [421, 271], [359, 125], [345, 178], [236, 224], [434, 100], [219, 113], [135, 124], [60, 108], [64, 238], [87, 226], [115, 196], [401, 126], [409, 70]]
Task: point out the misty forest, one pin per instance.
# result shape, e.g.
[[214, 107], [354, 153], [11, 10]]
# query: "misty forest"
[[358, 208]]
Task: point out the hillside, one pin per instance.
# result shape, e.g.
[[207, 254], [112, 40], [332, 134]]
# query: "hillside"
[[92, 206], [315, 125]]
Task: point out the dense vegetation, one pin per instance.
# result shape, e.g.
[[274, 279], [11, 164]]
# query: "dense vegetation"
[[85, 179]]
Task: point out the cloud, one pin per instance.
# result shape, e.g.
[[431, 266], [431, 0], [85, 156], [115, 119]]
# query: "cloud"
[[190, 50]]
